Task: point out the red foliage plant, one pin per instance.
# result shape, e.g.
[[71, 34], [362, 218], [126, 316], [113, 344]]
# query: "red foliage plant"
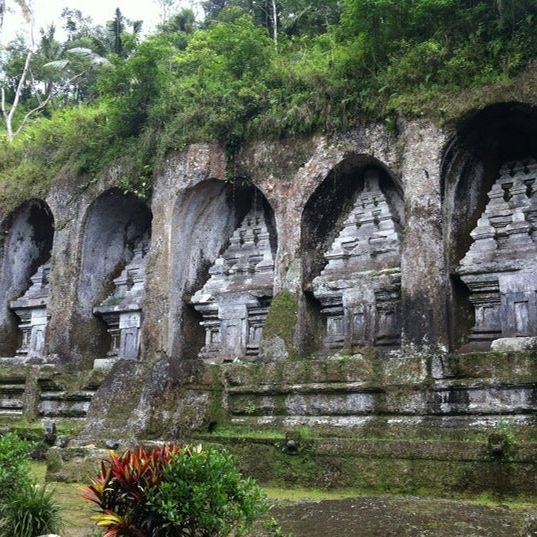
[[119, 490]]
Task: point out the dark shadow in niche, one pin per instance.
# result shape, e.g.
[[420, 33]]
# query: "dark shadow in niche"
[[113, 223], [472, 160], [322, 220], [26, 241], [204, 219]]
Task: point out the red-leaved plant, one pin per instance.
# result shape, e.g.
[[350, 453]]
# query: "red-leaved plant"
[[120, 487]]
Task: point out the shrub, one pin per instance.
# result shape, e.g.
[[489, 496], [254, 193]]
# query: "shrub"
[[31, 511], [14, 465], [120, 490], [204, 494], [173, 491]]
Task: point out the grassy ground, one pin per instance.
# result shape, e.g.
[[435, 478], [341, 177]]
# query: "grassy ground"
[[406, 515], [76, 511]]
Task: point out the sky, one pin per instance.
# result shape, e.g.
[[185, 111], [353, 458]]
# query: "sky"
[[100, 11]]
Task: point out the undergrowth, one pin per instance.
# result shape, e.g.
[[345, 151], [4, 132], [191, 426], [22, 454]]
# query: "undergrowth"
[[226, 82]]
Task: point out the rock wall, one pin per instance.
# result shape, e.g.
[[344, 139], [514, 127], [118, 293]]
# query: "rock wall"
[[348, 245]]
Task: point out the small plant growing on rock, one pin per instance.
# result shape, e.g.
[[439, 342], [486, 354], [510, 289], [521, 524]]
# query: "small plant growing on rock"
[[250, 408], [173, 491]]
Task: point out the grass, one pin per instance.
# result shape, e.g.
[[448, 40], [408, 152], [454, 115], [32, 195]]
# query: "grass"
[[244, 432], [304, 494], [77, 512]]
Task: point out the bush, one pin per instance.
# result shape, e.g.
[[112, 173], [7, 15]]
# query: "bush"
[[27, 510], [31, 511], [120, 490], [14, 465], [204, 494], [173, 491]]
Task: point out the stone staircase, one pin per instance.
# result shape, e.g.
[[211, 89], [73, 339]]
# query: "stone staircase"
[[42, 391]]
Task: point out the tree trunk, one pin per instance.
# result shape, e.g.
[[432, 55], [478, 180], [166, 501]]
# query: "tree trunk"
[[275, 23], [8, 114]]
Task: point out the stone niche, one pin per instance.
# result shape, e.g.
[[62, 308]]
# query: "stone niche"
[[359, 288], [500, 267], [116, 224], [31, 309], [122, 310], [26, 238], [235, 300]]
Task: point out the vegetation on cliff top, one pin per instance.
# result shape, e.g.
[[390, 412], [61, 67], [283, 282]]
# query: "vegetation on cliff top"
[[253, 69]]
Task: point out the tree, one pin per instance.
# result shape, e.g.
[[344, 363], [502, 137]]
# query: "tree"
[[33, 74], [166, 7], [9, 110], [288, 17], [2, 13]]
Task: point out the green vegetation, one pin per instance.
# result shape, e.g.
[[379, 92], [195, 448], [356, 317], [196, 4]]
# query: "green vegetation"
[[14, 464], [282, 318], [31, 511], [26, 508], [246, 72], [77, 512], [204, 494], [175, 491]]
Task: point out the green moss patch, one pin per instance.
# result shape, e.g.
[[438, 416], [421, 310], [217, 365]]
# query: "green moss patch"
[[282, 319]]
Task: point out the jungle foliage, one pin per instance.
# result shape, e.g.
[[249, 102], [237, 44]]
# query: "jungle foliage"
[[255, 68]]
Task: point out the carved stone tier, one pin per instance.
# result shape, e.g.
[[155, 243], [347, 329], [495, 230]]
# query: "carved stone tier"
[[235, 300], [359, 288], [122, 310], [500, 268], [31, 308]]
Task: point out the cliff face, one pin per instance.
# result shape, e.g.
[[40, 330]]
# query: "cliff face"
[[331, 247]]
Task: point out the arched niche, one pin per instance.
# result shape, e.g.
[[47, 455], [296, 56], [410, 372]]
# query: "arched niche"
[[218, 227], [351, 238], [479, 162], [117, 225], [26, 243]]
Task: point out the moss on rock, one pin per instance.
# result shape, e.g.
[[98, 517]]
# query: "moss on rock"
[[282, 320]]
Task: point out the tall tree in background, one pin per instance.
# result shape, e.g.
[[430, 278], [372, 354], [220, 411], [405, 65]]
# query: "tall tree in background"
[[115, 28], [2, 13], [166, 9], [9, 110], [288, 17], [34, 73]]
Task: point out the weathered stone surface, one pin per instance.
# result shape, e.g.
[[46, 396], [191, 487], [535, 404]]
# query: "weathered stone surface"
[[27, 234], [423, 268], [235, 300], [31, 308], [500, 266], [514, 344], [393, 254], [359, 289], [73, 465], [123, 309]]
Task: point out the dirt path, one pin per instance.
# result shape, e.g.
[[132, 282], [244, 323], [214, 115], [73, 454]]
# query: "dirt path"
[[403, 517]]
